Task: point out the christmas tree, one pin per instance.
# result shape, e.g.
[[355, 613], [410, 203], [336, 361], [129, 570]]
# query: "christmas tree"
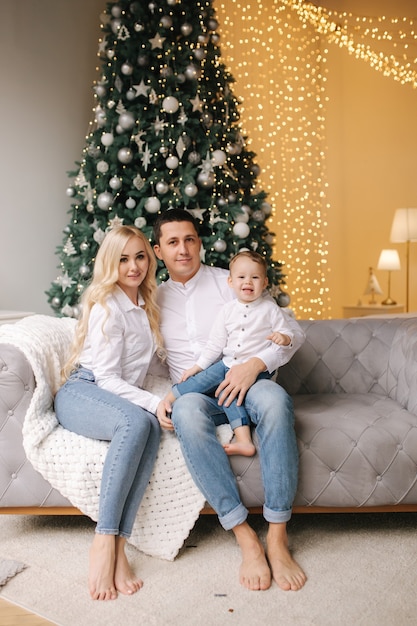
[[165, 134]]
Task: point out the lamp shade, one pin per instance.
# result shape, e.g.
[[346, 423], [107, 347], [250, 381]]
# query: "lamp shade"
[[389, 260], [404, 226]]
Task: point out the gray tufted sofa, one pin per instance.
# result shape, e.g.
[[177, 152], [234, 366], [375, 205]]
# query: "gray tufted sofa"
[[354, 387]]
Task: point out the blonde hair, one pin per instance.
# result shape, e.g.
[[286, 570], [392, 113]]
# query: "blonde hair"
[[253, 256], [103, 284]]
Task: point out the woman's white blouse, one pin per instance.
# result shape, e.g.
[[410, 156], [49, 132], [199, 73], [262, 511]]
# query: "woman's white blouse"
[[119, 348]]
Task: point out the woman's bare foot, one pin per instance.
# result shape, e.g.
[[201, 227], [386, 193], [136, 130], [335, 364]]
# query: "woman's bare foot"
[[124, 579], [102, 563], [236, 447], [285, 570], [254, 570]]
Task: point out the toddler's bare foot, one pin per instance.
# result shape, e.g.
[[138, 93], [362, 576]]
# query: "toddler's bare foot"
[[102, 563], [285, 570], [245, 449], [254, 570], [124, 579]]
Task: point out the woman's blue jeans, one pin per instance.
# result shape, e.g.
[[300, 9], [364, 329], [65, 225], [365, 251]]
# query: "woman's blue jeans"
[[270, 408], [134, 433], [207, 382]]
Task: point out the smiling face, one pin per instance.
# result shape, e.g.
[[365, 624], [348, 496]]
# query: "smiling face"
[[179, 248], [133, 267], [247, 279]]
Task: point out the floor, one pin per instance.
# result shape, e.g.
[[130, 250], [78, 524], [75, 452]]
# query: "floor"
[[13, 615]]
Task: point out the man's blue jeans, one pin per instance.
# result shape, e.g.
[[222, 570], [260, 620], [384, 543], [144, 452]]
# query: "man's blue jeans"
[[270, 408], [134, 433], [207, 382]]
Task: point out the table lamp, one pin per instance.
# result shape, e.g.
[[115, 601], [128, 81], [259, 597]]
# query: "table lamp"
[[389, 260], [404, 230]]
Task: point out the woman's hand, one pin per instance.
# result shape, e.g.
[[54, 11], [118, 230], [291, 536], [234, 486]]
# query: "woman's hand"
[[163, 413]]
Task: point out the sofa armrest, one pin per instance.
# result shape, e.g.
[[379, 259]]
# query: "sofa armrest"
[[20, 484]]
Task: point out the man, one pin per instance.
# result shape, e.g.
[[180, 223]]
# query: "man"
[[189, 302]]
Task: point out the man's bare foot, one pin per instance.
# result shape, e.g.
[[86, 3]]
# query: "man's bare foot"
[[285, 570], [124, 579], [245, 449], [254, 570], [102, 563]]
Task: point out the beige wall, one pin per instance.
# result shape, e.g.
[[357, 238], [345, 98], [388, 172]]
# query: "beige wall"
[[371, 136]]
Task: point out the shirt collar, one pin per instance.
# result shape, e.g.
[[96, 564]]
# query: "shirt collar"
[[190, 284], [124, 301]]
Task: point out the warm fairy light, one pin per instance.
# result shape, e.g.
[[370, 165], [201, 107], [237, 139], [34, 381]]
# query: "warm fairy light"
[[277, 52]]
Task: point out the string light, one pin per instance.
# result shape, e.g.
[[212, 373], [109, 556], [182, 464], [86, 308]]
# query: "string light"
[[277, 51]]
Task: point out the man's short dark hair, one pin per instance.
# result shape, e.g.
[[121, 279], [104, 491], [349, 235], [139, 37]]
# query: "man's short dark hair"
[[172, 215]]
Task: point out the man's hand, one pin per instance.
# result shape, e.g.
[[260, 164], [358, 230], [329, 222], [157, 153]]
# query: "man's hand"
[[238, 380], [163, 413]]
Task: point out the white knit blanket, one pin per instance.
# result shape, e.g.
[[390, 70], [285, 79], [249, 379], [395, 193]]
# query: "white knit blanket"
[[73, 464]]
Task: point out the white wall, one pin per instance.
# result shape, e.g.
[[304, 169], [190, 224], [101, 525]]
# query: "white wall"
[[47, 66]]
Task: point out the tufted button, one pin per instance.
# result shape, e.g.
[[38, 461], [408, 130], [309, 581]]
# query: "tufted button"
[[27, 387], [379, 478], [10, 413], [239, 479], [354, 444], [4, 367], [332, 474], [399, 446], [306, 446], [13, 476]]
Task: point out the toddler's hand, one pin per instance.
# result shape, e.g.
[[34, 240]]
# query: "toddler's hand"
[[279, 338]]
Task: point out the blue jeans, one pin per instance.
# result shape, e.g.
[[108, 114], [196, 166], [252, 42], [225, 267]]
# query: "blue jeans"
[[270, 408], [207, 382], [134, 433]]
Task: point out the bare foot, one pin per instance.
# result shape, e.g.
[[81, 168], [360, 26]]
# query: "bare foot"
[[124, 579], [285, 570], [245, 449], [254, 570], [102, 562]]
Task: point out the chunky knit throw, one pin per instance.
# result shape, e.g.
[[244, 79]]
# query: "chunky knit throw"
[[73, 464]]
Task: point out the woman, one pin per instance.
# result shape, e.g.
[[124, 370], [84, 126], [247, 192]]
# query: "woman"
[[101, 398]]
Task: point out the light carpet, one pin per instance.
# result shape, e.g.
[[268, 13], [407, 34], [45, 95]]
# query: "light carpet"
[[361, 570]]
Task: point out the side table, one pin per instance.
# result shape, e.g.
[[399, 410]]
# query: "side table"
[[372, 309]]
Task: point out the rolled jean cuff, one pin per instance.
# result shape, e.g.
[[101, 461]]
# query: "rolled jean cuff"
[[234, 518], [276, 517]]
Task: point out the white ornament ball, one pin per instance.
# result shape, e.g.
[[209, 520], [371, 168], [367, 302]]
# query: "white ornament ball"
[[172, 162], [199, 53], [170, 104], [127, 120], [130, 203], [100, 117], [242, 218], [56, 302], [115, 182], [220, 245], [131, 94], [258, 216], [115, 25], [84, 270], [241, 230], [171, 3], [166, 21], [104, 200], [107, 139], [127, 69], [206, 179], [70, 192], [191, 190], [186, 29], [84, 246], [152, 204], [116, 11], [140, 222], [191, 72], [218, 157], [266, 208], [100, 90], [125, 155], [162, 187]]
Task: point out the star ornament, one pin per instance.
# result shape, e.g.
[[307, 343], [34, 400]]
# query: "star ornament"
[[141, 89], [157, 41], [197, 103], [65, 281]]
